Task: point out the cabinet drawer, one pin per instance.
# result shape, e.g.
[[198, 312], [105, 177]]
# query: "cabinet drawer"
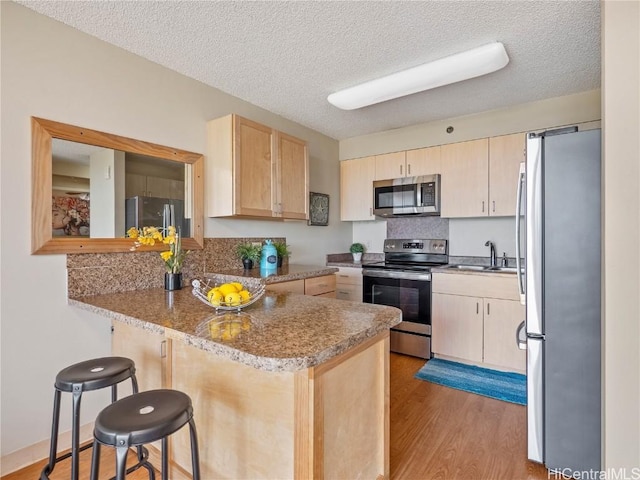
[[320, 285], [489, 285], [349, 292], [327, 295], [349, 275], [294, 286]]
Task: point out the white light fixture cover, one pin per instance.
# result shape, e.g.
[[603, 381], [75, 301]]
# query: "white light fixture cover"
[[455, 68]]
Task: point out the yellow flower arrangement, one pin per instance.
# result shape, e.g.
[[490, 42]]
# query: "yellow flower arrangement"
[[173, 257]]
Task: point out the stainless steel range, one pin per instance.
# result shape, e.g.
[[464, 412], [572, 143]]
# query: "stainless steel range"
[[403, 280]]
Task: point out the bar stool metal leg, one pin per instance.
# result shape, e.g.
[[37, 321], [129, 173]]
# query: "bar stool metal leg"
[[195, 456], [75, 432], [54, 436]]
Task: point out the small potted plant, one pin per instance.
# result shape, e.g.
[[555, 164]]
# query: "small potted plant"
[[283, 251], [357, 249], [249, 254]]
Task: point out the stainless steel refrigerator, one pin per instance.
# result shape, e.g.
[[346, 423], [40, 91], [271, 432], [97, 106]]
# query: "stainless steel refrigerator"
[[156, 212], [559, 187]]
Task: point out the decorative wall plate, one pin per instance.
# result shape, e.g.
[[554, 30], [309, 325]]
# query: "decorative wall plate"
[[318, 209]]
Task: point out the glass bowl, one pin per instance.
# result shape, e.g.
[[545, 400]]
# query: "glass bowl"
[[201, 292]]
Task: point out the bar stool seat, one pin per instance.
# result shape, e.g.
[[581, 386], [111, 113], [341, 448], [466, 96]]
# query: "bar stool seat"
[[144, 418], [82, 377]]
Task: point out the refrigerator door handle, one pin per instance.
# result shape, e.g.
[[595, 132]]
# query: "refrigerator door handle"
[[519, 273], [521, 341]]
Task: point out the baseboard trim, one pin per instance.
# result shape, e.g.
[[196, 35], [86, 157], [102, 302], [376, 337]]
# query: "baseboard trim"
[[39, 451]]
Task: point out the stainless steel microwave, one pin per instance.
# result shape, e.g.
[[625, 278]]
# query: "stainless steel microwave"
[[418, 196]]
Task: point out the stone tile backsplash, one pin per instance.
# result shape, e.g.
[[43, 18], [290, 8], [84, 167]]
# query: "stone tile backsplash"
[[418, 227], [95, 273]]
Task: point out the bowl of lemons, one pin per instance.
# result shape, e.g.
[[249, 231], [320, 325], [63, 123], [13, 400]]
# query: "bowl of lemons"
[[227, 296]]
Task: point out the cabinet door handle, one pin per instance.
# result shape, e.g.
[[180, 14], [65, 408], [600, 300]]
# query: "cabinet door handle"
[[477, 308], [409, 169], [163, 349], [488, 304], [400, 170], [482, 206], [494, 206]]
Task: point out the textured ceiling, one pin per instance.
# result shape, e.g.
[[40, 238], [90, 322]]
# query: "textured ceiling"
[[288, 56]]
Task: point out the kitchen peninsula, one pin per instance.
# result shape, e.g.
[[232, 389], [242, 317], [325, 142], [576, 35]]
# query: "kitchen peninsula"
[[301, 390]]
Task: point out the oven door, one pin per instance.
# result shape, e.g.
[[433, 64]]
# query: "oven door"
[[408, 291]]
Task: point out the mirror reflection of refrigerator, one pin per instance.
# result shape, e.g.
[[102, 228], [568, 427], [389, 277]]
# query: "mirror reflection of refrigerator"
[[156, 212]]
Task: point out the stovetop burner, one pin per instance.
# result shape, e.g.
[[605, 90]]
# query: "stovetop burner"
[[413, 254]]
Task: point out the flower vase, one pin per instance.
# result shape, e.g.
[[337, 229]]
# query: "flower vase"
[[247, 263], [172, 281]]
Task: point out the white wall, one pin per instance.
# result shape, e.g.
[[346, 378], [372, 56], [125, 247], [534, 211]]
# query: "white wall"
[[621, 147], [467, 236], [52, 71]]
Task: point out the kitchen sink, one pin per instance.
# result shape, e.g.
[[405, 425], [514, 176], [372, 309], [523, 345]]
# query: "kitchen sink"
[[478, 268], [482, 268]]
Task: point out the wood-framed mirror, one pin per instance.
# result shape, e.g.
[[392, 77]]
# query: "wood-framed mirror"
[[89, 187]]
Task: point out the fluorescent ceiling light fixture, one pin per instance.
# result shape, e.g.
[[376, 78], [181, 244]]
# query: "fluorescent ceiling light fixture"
[[454, 68]]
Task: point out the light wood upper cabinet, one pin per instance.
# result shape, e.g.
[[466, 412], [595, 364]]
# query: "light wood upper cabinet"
[[390, 165], [505, 155], [356, 189], [410, 163], [253, 170], [293, 178], [465, 179], [424, 161]]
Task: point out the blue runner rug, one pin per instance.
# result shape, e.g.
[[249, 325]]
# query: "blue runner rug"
[[507, 386]]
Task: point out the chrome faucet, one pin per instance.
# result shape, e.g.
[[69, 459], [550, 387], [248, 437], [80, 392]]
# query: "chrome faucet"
[[494, 258]]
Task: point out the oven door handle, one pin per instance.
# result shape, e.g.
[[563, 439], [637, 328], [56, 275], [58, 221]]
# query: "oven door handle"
[[401, 275]]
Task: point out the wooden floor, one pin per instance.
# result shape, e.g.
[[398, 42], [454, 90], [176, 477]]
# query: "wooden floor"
[[62, 470], [436, 433], [442, 433]]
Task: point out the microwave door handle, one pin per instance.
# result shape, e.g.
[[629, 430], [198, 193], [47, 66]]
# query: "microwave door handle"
[[418, 195]]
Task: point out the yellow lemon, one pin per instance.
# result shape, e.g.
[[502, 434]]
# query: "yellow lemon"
[[245, 296], [212, 291], [232, 299], [238, 285], [227, 288], [215, 298]]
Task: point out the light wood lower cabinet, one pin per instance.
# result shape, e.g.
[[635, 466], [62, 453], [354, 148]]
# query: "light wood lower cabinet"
[[475, 317], [329, 421], [294, 286], [148, 350], [457, 326], [501, 320], [349, 284], [324, 285]]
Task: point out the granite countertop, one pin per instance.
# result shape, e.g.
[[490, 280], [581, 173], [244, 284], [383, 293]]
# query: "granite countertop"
[[286, 273], [282, 331], [346, 259]]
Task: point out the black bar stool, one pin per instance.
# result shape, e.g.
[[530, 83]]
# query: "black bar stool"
[[84, 377], [144, 418]]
